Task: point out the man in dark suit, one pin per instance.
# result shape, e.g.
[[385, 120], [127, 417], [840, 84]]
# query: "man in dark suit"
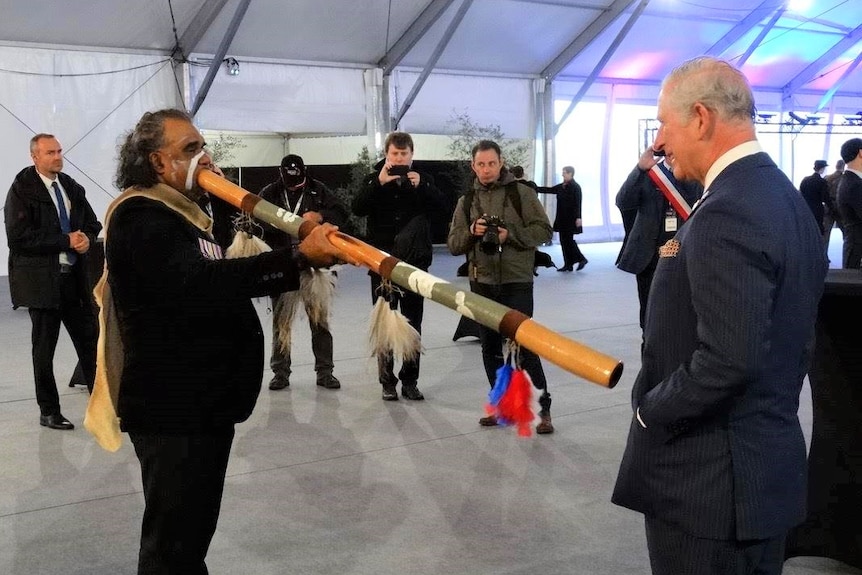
[[715, 458], [815, 192], [567, 221], [850, 202], [655, 222], [50, 226]]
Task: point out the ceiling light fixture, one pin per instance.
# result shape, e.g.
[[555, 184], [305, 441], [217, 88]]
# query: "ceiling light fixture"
[[232, 66]]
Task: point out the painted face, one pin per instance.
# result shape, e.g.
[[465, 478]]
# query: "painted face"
[[487, 165], [399, 156], [48, 157], [677, 136], [172, 161]]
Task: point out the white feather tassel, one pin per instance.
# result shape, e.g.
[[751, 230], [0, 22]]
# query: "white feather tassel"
[[317, 288], [390, 332], [284, 311], [245, 245]]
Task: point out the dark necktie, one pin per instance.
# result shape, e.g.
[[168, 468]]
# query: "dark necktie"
[[65, 224]]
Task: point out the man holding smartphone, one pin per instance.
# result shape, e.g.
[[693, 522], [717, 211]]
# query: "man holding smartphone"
[[398, 202]]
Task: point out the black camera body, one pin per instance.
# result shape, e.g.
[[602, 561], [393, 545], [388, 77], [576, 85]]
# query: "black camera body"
[[490, 242]]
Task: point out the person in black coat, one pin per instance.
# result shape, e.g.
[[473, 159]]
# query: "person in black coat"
[[192, 344], [398, 202], [815, 192], [654, 222], [568, 221], [50, 227], [850, 203]]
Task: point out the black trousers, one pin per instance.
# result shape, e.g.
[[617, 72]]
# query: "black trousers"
[[76, 313], [183, 480], [674, 552], [571, 252], [518, 296], [412, 308]]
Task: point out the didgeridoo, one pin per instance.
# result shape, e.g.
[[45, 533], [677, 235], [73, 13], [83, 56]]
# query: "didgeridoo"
[[570, 355]]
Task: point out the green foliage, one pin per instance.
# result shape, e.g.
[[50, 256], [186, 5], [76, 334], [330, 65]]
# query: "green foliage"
[[221, 149], [466, 133]]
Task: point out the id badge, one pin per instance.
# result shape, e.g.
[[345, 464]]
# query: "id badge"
[[670, 224]]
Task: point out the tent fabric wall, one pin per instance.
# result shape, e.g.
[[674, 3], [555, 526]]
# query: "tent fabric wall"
[[283, 98], [87, 100], [507, 102]]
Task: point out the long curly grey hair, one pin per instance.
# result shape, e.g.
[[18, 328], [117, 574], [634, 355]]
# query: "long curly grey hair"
[[134, 167]]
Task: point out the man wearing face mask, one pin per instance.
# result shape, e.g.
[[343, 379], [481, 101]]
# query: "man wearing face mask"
[[312, 200], [186, 339]]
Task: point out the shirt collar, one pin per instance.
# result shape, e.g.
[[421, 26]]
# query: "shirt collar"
[[47, 181], [857, 172], [737, 153]]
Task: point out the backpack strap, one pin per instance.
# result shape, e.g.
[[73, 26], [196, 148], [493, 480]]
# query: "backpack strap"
[[512, 194]]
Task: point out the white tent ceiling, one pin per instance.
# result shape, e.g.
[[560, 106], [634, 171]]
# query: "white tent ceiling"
[[811, 49]]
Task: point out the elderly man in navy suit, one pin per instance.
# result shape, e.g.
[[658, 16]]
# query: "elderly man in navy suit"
[[715, 458]]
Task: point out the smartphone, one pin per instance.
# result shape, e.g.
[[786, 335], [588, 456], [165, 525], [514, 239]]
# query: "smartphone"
[[399, 170], [658, 153]]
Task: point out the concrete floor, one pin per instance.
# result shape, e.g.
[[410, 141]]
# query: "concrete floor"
[[326, 482]]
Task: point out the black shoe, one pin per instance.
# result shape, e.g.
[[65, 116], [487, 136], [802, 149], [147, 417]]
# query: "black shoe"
[[389, 392], [410, 391], [565, 269], [581, 264], [328, 381], [278, 382], [55, 421]]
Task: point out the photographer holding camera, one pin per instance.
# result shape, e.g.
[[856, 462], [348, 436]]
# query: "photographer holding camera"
[[398, 202], [500, 240]]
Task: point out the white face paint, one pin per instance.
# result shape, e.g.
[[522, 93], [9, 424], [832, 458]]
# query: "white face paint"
[[193, 166]]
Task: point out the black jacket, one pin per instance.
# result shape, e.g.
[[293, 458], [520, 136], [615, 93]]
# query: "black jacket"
[[193, 343], [569, 200], [316, 197], [35, 239], [390, 208], [815, 192]]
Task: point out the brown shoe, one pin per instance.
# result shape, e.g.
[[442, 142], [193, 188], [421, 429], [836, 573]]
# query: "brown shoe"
[[488, 421], [545, 425]]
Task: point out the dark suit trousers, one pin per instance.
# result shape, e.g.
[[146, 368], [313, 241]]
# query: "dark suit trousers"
[[76, 313], [183, 480], [571, 253], [518, 296], [673, 552], [412, 308]]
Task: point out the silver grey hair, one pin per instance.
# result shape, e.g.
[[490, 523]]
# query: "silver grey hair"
[[715, 84]]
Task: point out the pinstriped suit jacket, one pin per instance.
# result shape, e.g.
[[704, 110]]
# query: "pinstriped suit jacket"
[[727, 339]]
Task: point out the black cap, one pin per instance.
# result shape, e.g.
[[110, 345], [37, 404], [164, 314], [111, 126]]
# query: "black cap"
[[820, 164], [292, 170]]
